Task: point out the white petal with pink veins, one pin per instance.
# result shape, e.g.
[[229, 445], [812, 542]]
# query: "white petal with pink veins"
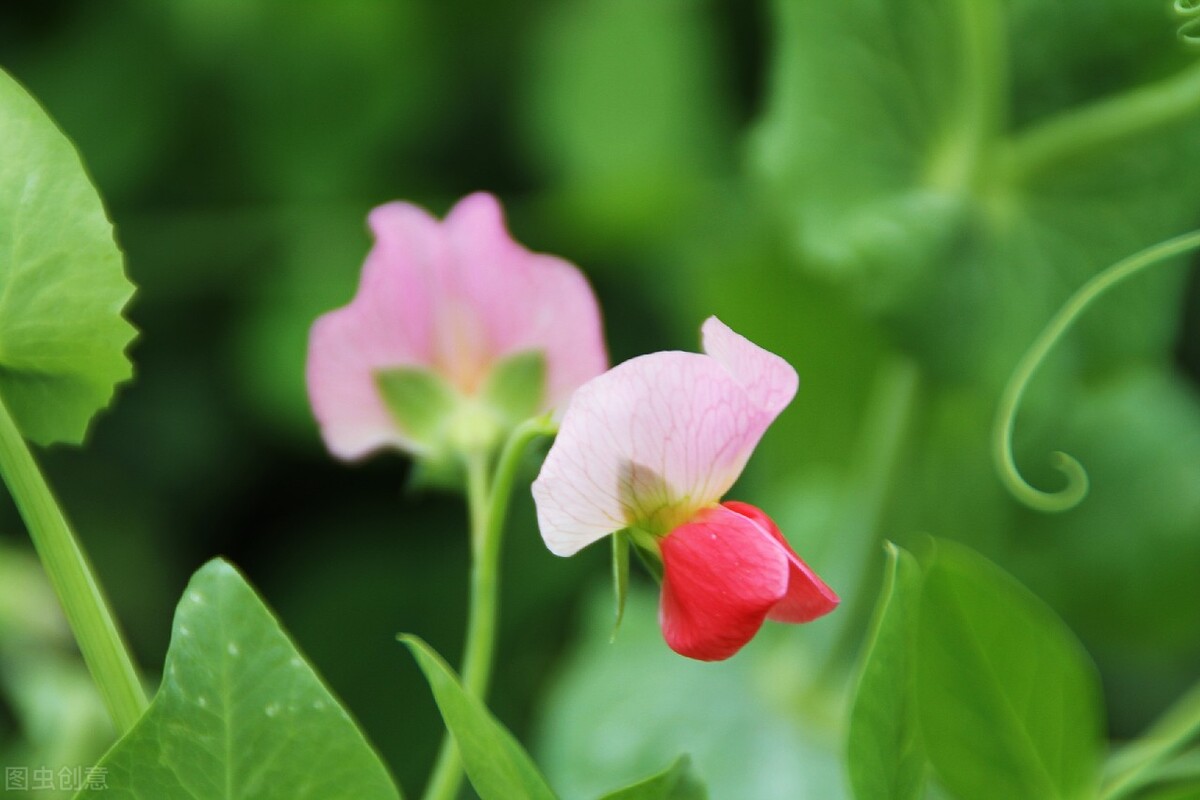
[[652, 441], [770, 381]]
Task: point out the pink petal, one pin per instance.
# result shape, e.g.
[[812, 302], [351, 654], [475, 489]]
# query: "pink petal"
[[524, 300], [388, 323], [770, 381], [453, 296], [721, 575], [807, 595], [651, 441]]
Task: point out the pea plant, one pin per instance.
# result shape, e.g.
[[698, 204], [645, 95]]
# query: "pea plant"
[[897, 173]]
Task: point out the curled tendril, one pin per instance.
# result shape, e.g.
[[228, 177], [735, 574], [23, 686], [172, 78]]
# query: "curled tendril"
[[1189, 28], [1077, 480]]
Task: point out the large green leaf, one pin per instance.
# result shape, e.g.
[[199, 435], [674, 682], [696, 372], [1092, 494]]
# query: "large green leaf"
[[240, 714], [62, 282], [676, 782], [894, 167], [499, 768], [1009, 703], [867, 142], [885, 755]]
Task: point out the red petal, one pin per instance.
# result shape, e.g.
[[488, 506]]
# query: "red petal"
[[721, 576], [807, 595]]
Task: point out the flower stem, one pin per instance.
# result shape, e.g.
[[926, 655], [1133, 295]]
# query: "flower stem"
[[83, 602], [1135, 764], [487, 506]]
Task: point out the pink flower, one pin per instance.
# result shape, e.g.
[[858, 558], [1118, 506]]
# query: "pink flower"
[[651, 446], [451, 303]]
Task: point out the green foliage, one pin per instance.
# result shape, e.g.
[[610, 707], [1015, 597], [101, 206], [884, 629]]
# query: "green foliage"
[[239, 167], [968, 672], [885, 755], [62, 282], [961, 233], [1008, 701], [760, 725], [676, 782], [598, 65], [240, 714], [497, 765]]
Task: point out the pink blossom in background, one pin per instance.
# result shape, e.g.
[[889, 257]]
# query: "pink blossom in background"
[[455, 297], [653, 444]]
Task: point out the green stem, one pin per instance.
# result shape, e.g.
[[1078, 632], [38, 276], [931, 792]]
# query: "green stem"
[[1077, 481], [958, 163], [487, 507], [87, 612], [1178, 726], [1104, 123]]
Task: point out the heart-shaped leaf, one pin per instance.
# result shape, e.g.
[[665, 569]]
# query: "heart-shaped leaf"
[[240, 714]]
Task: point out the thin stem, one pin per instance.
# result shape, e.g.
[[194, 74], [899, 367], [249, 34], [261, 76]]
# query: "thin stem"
[[1178, 726], [83, 602], [958, 162], [1002, 452], [1104, 123], [487, 507]]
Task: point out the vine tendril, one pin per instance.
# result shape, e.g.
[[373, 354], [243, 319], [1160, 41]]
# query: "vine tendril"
[[1077, 480], [1189, 27]]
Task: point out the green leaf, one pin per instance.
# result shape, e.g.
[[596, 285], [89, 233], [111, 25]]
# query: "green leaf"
[[1009, 702], [240, 714], [895, 169], [870, 174], [677, 782], [516, 386], [62, 281], [885, 755], [497, 765], [420, 401]]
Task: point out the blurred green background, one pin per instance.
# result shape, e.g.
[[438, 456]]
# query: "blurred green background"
[[777, 164]]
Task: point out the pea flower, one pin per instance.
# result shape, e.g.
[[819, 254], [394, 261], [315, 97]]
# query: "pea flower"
[[456, 332], [649, 448]]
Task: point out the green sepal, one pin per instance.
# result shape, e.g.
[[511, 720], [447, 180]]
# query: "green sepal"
[[419, 400], [676, 782], [620, 574], [436, 472], [496, 764], [516, 387], [645, 547]]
